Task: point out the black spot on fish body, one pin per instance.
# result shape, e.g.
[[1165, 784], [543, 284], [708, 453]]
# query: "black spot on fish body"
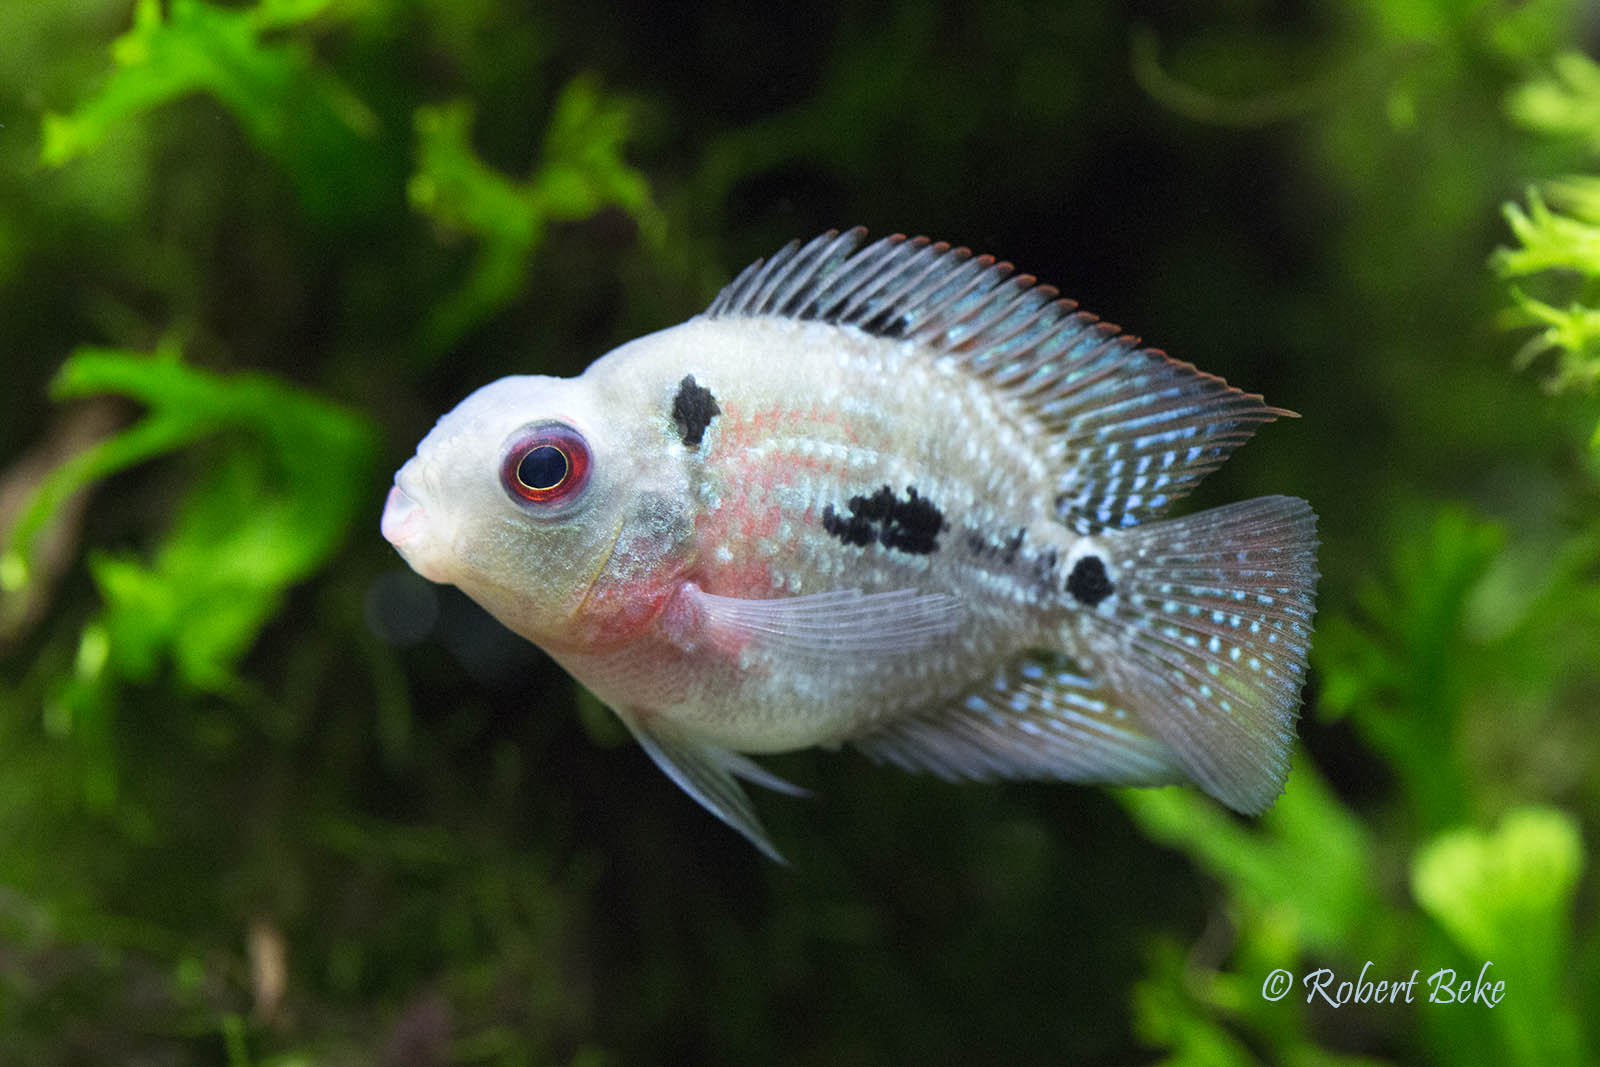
[[898, 537], [692, 411], [913, 524], [1089, 582], [855, 530], [909, 525], [996, 551], [1014, 545], [874, 508], [1045, 567], [1008, 555]]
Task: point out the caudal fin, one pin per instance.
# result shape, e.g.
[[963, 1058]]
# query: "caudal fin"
[[1204, 631]]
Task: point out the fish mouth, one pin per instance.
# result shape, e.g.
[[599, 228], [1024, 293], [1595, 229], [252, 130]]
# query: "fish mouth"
[[403, 518], [407, 526]]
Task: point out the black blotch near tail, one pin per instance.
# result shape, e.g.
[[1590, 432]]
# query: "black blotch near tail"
[[909, 525], [1089, 582], [692, 411]]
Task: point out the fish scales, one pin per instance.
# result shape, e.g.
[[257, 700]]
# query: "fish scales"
[[775, 463], [893, 495]]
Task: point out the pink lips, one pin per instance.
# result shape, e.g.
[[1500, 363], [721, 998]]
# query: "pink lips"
[[402, 517]]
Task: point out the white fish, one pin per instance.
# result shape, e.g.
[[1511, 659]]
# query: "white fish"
[[891, 495]]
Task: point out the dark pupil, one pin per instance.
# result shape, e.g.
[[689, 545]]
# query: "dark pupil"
[[542, 468]]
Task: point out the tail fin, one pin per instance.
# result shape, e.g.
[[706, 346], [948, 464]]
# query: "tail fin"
[[1204, 631]]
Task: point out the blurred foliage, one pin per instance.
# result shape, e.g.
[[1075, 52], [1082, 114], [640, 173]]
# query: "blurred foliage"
[[266, 798], [1508, 898], [1564, 244], [292, 109], [581, 172]]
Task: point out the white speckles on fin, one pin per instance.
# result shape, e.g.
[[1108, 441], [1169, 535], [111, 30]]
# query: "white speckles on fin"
[[1035, 719], [707, 773], [845, 623], [1209, 638]]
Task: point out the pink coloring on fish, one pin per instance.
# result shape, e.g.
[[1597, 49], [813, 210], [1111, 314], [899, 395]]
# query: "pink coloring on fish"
[[892, 495]]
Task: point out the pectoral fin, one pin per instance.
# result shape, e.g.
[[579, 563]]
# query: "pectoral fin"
[[709, 773], [835, 626]]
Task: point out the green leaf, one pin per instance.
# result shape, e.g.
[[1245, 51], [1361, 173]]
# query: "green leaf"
[[580, 172], [1507, 897], [282, 482], [1166, 1015], [1299, 883], [1398, 667], [294, 111], [1562, 247], [1565, 102], [1264, 862], [1549, 240]]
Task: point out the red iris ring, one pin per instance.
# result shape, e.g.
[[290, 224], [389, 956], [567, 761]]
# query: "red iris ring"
[[530, 472]]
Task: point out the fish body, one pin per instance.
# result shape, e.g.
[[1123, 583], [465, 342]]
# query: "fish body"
[[891, 495]]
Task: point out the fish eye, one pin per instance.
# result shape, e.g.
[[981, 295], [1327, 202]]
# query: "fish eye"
[[546, 464], [543, 468]]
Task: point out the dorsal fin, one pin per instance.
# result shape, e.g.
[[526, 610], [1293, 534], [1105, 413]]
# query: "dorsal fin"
[[1134, 429]]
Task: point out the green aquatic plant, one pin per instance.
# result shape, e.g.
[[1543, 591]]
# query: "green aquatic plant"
[[1315, 886], [1401, 670], [1558, 234], [276, 493], [332, 145], [178, 763], [1456, 644], [293, 109], [580, 172], [1507, 897]]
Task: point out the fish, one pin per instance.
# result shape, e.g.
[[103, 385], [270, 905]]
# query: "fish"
[[891, 495]]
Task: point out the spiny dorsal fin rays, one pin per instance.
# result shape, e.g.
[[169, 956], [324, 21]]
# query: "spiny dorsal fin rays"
[[750, 292], [814, 257], [1136, 429]]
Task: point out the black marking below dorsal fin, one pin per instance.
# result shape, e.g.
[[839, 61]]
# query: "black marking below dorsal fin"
[[1133, 429]]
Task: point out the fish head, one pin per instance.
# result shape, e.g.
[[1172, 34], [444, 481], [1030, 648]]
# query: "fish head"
[[519, 496]]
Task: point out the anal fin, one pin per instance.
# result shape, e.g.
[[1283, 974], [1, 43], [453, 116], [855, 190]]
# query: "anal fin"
[[709, 774], [1035, 719]]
